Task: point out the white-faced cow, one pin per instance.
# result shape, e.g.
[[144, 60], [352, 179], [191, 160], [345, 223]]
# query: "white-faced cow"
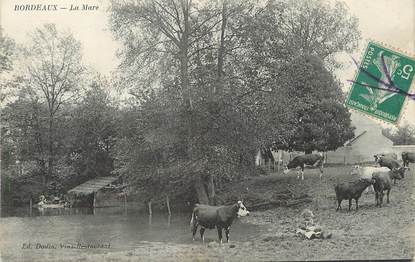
[[387, 155], [305, 160], [220, 217], [408, 157]]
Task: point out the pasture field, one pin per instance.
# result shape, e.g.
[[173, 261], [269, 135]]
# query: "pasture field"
[[369, 233]]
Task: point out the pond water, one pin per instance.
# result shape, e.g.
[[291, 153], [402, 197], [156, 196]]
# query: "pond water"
[[43, 233]]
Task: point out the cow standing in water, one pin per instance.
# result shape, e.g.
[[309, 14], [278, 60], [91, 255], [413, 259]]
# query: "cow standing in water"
[[220, 217], [305, 160]]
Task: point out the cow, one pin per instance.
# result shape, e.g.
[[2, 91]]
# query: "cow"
[[387, 162], [393, 165], [387, 155], [408, 157], [351, 190], [397, 174], [220, 217], [366, 173], [381, 182], [305, 160]]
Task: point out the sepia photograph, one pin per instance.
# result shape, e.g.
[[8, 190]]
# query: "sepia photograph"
[[207, 130]]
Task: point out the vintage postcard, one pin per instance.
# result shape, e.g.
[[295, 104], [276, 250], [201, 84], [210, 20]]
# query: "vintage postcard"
[[207, 130]]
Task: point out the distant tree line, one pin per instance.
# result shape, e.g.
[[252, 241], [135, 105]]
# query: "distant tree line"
[[403, 135], [207, 84]]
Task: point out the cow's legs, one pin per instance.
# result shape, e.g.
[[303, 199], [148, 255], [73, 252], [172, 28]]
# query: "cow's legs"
[[227, 234], [220, 233], [339, 202], [380, 198], [202, 234], [357, 204], [194, 230], [387, 196], [377, 198], [350, 204]]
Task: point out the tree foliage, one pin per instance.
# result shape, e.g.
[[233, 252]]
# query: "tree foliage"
[[213, 81], [403, 135], [52, 76], [322, 122], [8, 52]]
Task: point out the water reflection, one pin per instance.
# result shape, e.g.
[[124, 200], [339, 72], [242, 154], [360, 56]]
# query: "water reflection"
[[123, 229]]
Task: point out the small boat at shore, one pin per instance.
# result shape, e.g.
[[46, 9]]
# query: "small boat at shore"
[[56, 203]]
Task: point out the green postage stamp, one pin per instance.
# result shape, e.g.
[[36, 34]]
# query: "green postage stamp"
[[382, 83]]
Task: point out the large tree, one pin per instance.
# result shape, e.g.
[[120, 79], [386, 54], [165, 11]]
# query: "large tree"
[[52, 76], [284, 35], [173, 39], [322, 121]]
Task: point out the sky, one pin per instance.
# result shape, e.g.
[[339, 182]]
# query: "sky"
[[388, 21]]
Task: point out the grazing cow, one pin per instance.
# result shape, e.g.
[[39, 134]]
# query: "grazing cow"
[[387, 155], [351, 190], [387, 162], [394, 166], [397, 174], [366, 172], [381, 182], [305, 160], [408, 157], [220, 217]]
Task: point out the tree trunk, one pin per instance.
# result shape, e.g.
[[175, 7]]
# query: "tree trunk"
[[221, 52], [211, 190], [43, 172], [50, 151], [150, 211], [168, 204], [184, 53], [202, 195]]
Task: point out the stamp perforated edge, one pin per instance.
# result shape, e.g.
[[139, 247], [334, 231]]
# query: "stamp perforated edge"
[[410, 90]]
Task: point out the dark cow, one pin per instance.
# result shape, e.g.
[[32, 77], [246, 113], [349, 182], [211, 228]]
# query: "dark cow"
[[220, 217], [398, 171], [305, 160], [408, 157], [381, 182], [397, 174], [387, 162], [351, 190]]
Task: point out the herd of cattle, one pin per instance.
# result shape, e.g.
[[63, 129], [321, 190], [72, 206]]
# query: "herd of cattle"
[[377, 178]]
